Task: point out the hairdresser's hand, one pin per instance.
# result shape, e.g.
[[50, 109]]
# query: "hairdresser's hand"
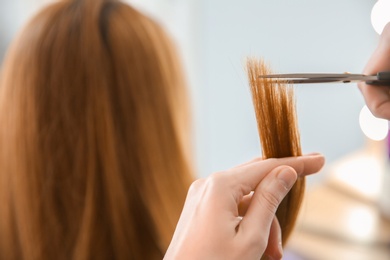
[[222, 219], [378, 97]]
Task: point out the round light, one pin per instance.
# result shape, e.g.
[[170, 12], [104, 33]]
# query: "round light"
[[374, 128], [380, 15]]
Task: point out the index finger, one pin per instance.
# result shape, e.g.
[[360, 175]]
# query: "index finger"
[[250, 175]]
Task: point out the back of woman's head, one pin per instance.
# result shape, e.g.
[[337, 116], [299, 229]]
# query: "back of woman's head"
[[93, 154]]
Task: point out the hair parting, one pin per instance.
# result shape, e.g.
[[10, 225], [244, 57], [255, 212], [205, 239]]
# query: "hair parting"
[[277, 124]]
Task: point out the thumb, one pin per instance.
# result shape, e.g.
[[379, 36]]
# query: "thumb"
[[267, 196]]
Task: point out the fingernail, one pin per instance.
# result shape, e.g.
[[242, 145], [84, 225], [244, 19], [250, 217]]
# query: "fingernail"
[[287, 178]]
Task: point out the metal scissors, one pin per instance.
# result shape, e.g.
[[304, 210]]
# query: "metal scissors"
[[381, 78]]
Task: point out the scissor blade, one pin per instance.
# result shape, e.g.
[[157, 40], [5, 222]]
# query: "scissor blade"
[[316, 80], [382, 78], [313, 75]]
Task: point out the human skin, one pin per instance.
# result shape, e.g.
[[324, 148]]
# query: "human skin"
[[378, 97], [223, 219]]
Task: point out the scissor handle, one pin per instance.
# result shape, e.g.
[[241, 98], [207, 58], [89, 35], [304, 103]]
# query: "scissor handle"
[[383, 75], [383, 79]]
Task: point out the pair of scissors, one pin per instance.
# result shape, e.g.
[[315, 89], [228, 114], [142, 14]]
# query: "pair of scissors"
[[381, 78]]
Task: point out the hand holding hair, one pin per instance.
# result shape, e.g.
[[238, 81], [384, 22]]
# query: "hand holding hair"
[[378, 97], [223, 219]]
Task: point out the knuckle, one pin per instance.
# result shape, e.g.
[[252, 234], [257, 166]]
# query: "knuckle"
[[215, 179], [216, 182], [196, 186], [269, 200]]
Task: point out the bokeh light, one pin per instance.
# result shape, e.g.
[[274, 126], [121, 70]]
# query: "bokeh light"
[[380, 15], [374, 128]]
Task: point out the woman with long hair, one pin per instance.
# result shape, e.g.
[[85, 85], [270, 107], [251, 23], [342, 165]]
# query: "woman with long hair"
[[94, 147]]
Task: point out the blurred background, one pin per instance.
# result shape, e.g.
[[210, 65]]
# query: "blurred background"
[[214, 39]]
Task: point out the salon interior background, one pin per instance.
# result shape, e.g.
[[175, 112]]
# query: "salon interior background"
[[295, 36]]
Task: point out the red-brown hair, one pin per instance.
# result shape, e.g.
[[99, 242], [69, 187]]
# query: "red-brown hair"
[[279, 135], [94, 159]]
